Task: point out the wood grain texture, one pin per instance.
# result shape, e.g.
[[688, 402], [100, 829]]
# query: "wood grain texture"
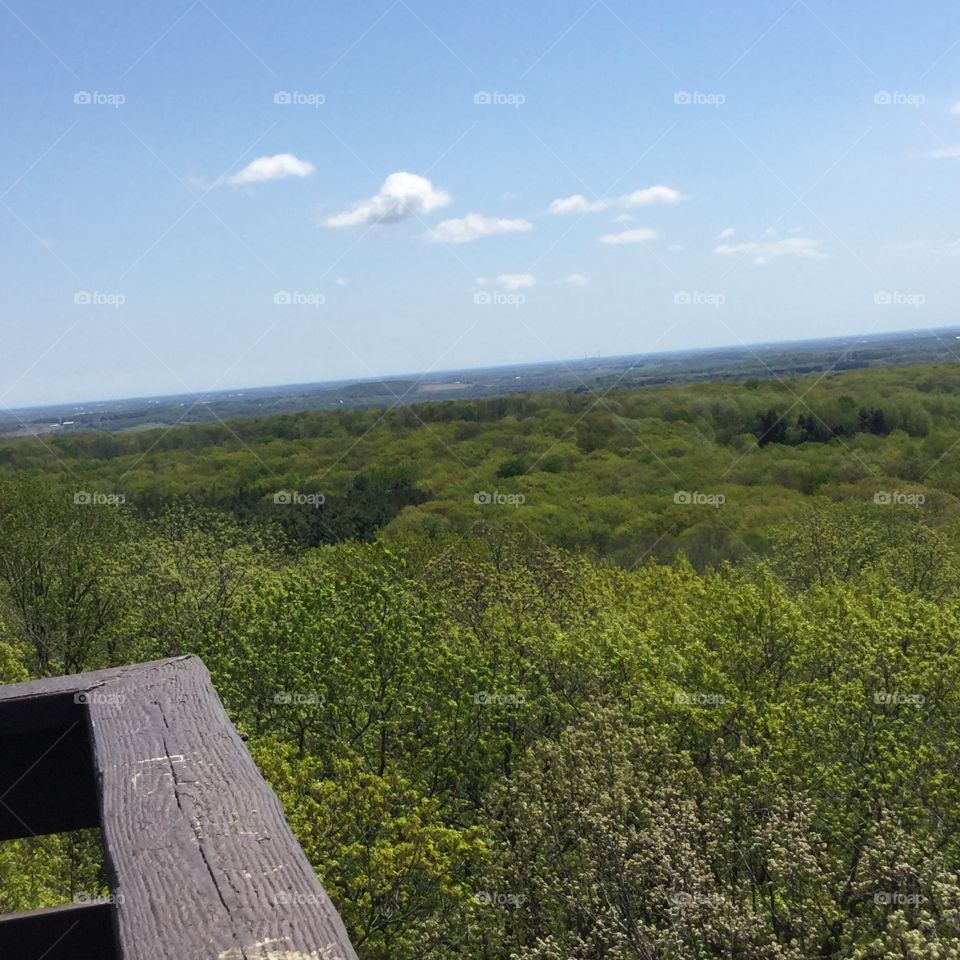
[[201, 859]]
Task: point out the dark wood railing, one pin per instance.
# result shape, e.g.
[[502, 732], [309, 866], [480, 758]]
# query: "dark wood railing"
[[201, 863]]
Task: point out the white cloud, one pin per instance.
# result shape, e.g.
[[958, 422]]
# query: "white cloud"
[[342, 281], [578, 203], [576, 280], [726, 233], [402, 195], [277, 167], [764, 251], [951, 152], [676, 247], [628, 236], [473, 226], [651, 195], [517, 281], [955, 109]]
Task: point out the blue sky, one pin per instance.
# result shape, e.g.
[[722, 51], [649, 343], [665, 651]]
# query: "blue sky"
[[199, 195]]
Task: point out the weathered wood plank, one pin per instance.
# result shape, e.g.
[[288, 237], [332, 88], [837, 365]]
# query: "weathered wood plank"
[[200, 857]]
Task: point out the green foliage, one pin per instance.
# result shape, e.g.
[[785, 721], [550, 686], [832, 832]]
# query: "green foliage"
[[593, 474], [382, 849], [613, 720], [49, 871]]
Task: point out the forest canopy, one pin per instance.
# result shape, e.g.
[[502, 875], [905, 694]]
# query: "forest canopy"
[[694, 692]]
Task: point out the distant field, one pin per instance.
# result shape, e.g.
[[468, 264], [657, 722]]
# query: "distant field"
[[597, 374]]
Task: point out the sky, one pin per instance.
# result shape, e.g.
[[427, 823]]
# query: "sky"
[[197, 195]]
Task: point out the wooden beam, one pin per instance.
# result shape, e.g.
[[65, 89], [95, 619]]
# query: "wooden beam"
[[202, 863]]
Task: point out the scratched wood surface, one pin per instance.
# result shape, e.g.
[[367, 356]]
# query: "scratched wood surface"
[[202, 862]]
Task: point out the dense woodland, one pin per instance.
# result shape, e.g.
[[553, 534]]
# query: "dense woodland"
[[685, 683]]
